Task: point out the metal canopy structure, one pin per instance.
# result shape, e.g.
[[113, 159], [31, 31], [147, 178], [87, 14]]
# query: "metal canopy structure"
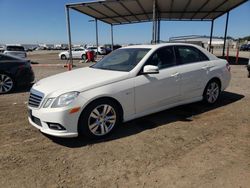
[[118, 12]]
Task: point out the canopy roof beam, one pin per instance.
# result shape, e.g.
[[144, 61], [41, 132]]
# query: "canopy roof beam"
[[199, 10], [222, 3], [126, 8], [143, 10], [115, 12], [185, 9]]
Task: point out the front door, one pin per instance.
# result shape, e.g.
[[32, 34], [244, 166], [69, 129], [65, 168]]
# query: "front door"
[[153, 91]]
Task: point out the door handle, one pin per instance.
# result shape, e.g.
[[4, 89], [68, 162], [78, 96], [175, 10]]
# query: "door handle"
[[175, 74], [205, 67]]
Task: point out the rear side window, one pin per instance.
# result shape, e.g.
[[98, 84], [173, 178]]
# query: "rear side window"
[[15, 48], [189, 54]]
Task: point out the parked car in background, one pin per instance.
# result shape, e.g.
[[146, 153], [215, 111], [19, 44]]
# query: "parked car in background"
[[245, 47], [1, 49], [129, 83], [15, 50], [14, 72], [77, 53], [101, 50]]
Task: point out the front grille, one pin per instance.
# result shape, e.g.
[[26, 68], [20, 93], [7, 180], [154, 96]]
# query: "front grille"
[[35, 98]]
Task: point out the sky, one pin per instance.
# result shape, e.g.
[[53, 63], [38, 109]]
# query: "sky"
[[44, 21]]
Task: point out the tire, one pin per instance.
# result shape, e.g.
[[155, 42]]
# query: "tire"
[[212, 92], [6, 83], [63, 57], [83, 57], [99, 119]]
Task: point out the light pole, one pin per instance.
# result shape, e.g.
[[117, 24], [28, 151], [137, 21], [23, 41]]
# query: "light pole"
[[96, 32]]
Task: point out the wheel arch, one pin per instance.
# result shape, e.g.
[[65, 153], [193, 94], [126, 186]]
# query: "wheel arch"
[[120, 108], [217, 79]]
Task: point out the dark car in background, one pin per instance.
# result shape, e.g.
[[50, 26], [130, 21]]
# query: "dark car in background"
[[245, 47], [14, 72]]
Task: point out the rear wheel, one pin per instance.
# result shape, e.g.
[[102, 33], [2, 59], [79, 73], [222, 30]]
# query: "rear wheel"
[[83, 57], [63, 57], [211, 92], [99, 119], [6, 83]]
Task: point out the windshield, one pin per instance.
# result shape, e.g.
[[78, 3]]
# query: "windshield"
[[122, 59]]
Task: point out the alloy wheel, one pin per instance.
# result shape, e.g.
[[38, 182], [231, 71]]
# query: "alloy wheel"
[[102, 120], [6, 83], [212, 93]]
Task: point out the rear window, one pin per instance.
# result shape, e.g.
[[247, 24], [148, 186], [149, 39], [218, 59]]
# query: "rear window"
[[5, 58], [15, 48]]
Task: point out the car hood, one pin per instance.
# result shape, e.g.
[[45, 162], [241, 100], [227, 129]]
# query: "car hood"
[[81, 79]]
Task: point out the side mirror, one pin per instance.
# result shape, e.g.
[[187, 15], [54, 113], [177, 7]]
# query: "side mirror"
[[150, 69]]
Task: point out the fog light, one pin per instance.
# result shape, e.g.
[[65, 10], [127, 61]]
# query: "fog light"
[[56, 126]]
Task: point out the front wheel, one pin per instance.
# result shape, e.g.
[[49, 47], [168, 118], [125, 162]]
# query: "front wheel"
[[211, 92], [6, 83], [99, 119]]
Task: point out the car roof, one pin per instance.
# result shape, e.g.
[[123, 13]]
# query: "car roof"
[[156, 46]]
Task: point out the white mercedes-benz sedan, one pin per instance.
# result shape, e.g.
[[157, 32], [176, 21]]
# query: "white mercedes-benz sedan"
[[128, 83]]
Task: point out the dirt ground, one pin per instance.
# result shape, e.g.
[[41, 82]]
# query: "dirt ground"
[[189, 146]]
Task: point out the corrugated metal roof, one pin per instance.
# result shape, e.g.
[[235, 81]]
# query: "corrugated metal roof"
[[134, 11]]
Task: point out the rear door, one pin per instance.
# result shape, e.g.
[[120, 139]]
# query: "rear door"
[[194, 69]]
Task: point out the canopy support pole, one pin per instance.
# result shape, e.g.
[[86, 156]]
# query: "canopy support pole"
[[70, 65], [211, 35], [154, 25], [225, 36], [112, 39], [96, 34], [159, 31]]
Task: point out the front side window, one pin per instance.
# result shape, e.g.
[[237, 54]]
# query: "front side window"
[[162, 58], [189, 54], [122, 59]]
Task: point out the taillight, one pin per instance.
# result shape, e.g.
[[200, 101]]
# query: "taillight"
[[228, 67]]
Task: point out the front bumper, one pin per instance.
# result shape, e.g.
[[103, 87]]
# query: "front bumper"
[[43, 117]]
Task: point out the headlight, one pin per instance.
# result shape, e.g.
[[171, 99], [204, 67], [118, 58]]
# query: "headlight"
[[65, 99]]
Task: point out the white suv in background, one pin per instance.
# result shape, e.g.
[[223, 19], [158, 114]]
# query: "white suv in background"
[[77, 53], [15, 50]]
